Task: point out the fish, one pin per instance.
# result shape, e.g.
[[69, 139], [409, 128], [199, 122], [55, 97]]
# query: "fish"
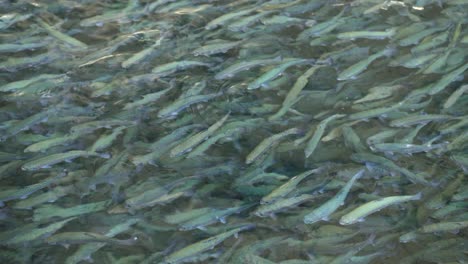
[[47, 212], [68, 238], [386, 163], [105, 141], [213, 216], [18, 85], [418, 119], [219, 21], [85, 251], [287, 187], [242, 24], [175, 66], [324, 27], [59, 35], [405, 148], [180, 104], [24, 192], [199, 247], [448, 78], [275, 72], [354, 70], [443, 227], [293, 94], [232, 70], [318, 133], [379, 92], [367, 34], [352, 139], [455, 96], [142, 55], [26, 124], [417, 36], [191, 142], [281, 204], [216, 48], [88, 127], [359, 213], [147, 98], [325, 210], [24, 235], [268, 143], [148, 197], [184, 216], [44, 145], [48, 161], [46, 197]]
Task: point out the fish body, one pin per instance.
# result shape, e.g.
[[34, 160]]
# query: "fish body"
[[219, 21], [379, 92], [172, 67], [212, 217], [196, 139], [18, 85], [418, 119], [354, 70], [47, 161], [323, 27], [455, 96], [46, 197], [147, 98], [59, 35], [46, 212], [232, 70], [88, 127], [216, 48], [24, 192], [281, 204], [448, 78], [326, 209], [386, 163], [68, 238], [319, 131], [275, 72], [405, 148], [49, 143], [367, 34], [267, 143], [199, 247], [443, 227], [26, 124], [293, 94], [106, 141], [371, 207], [287, 187], [36, 233], [174, 108]]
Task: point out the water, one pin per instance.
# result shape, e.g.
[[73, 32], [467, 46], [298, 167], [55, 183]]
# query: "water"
[[183, 153]]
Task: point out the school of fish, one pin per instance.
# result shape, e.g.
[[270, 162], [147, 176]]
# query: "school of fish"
[[222, 131]]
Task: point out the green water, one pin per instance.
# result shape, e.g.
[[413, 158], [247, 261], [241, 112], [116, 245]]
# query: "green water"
[[233, 131]]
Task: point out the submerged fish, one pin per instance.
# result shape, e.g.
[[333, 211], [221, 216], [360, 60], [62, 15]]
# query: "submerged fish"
[[354, 70], [192, 250], [329, 207], [371, 207], [48, 161], [68, 238]]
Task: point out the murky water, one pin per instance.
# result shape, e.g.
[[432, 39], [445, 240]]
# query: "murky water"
[[233, 131]]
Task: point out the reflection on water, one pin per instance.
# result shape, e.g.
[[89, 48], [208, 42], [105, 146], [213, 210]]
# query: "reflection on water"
[[233, 131]]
